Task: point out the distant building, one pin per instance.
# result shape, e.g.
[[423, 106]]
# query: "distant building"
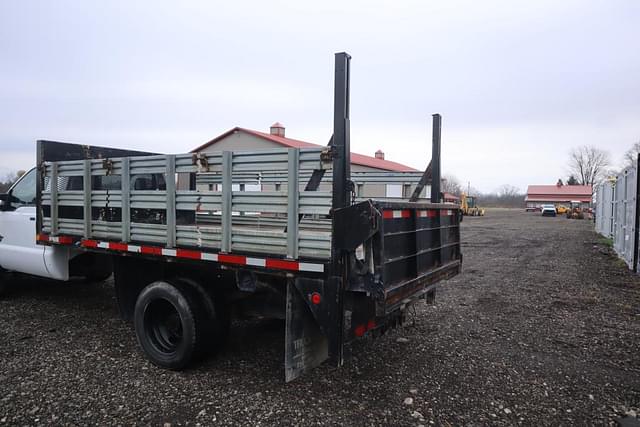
[[241, 139], [558, 195], [450, 198]]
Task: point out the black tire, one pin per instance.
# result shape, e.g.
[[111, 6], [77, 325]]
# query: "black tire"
[[217, 324], [170, 324]]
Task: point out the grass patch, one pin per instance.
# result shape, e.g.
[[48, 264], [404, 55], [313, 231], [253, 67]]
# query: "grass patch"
[[605, 241]]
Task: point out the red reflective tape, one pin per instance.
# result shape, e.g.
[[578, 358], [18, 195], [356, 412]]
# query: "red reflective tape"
[[65, 240], [89, 243], [282, 264], [232, 259], [391, 214], [432, 214], [115, 246], [150, 250], [42, 238], [444, 213], [184, 253]]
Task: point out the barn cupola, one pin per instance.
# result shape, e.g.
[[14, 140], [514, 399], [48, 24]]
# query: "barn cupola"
[[277, 129]]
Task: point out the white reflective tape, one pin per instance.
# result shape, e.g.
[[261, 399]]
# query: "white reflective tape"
[[54, 239], [133, 248], [169, 252], [397, 214], [209, 257], [103, 245], [317, 268], [256, 262]]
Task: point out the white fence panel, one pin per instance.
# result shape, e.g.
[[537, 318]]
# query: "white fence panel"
[[616, 203]]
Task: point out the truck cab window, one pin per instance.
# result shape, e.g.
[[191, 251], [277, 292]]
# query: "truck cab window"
[[24, 192]]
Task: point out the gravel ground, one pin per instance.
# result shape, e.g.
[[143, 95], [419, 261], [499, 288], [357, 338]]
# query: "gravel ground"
[[542, 328]]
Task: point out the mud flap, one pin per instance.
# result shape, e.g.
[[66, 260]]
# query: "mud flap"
[[305, 345]]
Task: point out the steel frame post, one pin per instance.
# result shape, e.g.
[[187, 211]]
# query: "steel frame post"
[[435, 159], [86, 189], [340, 199], [170, 190], [293, 198], [125, 189], [227, 198], [54, 198], [341, 143]]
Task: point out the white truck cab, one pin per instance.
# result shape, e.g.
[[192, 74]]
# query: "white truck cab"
[[18, 249]]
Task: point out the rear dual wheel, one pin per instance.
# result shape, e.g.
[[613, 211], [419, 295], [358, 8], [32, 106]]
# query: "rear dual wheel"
[[174, 325]]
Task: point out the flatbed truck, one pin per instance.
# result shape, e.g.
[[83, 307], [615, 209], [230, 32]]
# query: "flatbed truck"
[[188, 250]]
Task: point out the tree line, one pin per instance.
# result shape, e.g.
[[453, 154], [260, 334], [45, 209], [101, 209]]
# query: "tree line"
[[507, 196]]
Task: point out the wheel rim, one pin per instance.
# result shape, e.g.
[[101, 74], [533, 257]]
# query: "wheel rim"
[[163, 326]]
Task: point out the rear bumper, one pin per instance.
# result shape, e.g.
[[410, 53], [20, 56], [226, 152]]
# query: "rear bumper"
[[400, 295]]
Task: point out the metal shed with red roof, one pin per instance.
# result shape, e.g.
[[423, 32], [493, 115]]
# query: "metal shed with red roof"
[[558, 195], [239, 139]]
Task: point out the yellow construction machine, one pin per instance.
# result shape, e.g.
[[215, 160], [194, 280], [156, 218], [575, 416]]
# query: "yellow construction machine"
[[469, 206], [576, 211]]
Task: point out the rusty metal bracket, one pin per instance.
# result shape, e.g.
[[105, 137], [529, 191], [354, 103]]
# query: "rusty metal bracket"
[[108, 165], [200, 160], [328, 154]]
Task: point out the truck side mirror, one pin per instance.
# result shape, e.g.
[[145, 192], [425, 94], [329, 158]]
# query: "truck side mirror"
[[5, 202]]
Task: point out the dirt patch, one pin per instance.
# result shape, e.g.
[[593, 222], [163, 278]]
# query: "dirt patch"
[[542, 327]]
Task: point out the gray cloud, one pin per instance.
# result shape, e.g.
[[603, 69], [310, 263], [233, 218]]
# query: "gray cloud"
[[518, 84]]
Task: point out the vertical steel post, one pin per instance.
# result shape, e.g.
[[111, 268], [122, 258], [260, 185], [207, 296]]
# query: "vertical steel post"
[[435, 159], [225, 223], [86, 189], [170, 182], [125, 195], [54, 198], [293, 203], [636, 217], [342, 153], [341, 198], [40, 173]]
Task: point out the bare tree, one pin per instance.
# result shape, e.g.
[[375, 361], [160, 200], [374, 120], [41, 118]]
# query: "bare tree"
[[507, 191], [450, 184], [631, 155], [588, 164]]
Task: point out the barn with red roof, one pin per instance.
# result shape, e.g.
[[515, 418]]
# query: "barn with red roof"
[[558, 194], [242, 139]]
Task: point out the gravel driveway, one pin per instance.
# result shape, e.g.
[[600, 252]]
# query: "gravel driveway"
[[543, 327]]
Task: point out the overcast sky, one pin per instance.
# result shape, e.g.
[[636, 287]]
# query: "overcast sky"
[[518, 83]]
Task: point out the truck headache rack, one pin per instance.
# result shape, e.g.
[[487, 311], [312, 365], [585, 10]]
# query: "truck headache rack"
[[348, 264]]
